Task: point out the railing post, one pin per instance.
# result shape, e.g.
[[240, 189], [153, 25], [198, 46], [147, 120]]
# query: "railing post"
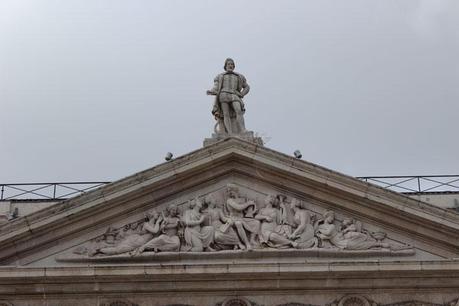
[[3, 189], [419, 184], [54, 191]]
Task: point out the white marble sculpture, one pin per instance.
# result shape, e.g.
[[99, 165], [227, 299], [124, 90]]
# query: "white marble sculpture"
[[270, 232], [304, 229], [197, 237], [231, 222], [167, 227], [132, 237], [224, 234], [229, 89], [240, 217], [350, 237]]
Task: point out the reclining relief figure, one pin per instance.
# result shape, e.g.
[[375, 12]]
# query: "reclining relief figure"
[[168, 240], [133, 239], [350, 238]]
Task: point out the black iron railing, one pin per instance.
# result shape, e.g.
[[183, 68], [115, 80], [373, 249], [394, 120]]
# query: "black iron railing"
[[416, 183], [65, 190], [46, 191]]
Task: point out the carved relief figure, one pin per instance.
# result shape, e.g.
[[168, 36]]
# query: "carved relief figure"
[[270, 230], [224, 234], [168, 241], [229, 89], [240, 225], [304, 230], [241, 218], [356, 239], [197, 237], [133, 240], [350, 238], [285, 215]]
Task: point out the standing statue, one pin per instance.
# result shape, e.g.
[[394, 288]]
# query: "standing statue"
[[229, 89]]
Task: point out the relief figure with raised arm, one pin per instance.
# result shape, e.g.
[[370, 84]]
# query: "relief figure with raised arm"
[[198, 238], [135, 238], [168, 240], [225, 237], [270, 234], [240, 217]]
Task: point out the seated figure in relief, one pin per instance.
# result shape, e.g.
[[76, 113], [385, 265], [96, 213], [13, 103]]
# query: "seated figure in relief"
[[240, 217], [225, 236], [198, 238], [134, 238], [349, 238], [285, 215], [270, 232], [304, 230], [168, 240]]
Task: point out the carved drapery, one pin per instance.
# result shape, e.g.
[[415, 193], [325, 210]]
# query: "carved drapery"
[[233, 222]]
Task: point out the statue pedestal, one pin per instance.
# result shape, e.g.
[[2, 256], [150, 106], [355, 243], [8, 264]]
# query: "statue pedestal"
[[247, 136]]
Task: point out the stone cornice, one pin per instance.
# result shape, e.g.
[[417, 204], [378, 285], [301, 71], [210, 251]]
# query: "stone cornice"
[[387, 276]]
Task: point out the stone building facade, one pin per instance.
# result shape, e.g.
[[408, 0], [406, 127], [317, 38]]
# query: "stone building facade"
[[233, 224]]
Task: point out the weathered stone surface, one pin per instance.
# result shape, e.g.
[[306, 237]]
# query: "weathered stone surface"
[[348, 229]]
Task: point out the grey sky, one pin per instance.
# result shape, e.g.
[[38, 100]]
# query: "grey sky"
[[98, 90]]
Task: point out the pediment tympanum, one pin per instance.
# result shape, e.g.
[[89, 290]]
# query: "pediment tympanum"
[[235, 221], [183, 209]]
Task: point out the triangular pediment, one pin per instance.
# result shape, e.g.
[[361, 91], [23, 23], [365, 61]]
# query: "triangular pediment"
[[344, 218]]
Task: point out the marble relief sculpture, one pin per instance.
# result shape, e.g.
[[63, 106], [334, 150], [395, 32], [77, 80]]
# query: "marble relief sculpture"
[[303, 233], [240, 217], [349, 237], [198, 237], [270, 231], [131, 237], [225, 236], [234, 223], [167, 226]]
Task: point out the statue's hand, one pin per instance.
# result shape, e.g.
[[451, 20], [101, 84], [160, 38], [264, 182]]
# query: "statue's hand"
[[240, 95], [210, 93]]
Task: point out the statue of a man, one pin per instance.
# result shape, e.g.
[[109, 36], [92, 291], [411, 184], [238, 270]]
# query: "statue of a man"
[[229, 89]]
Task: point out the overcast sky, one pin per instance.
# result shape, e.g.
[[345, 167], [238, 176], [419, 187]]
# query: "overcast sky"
[[98, 90]]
